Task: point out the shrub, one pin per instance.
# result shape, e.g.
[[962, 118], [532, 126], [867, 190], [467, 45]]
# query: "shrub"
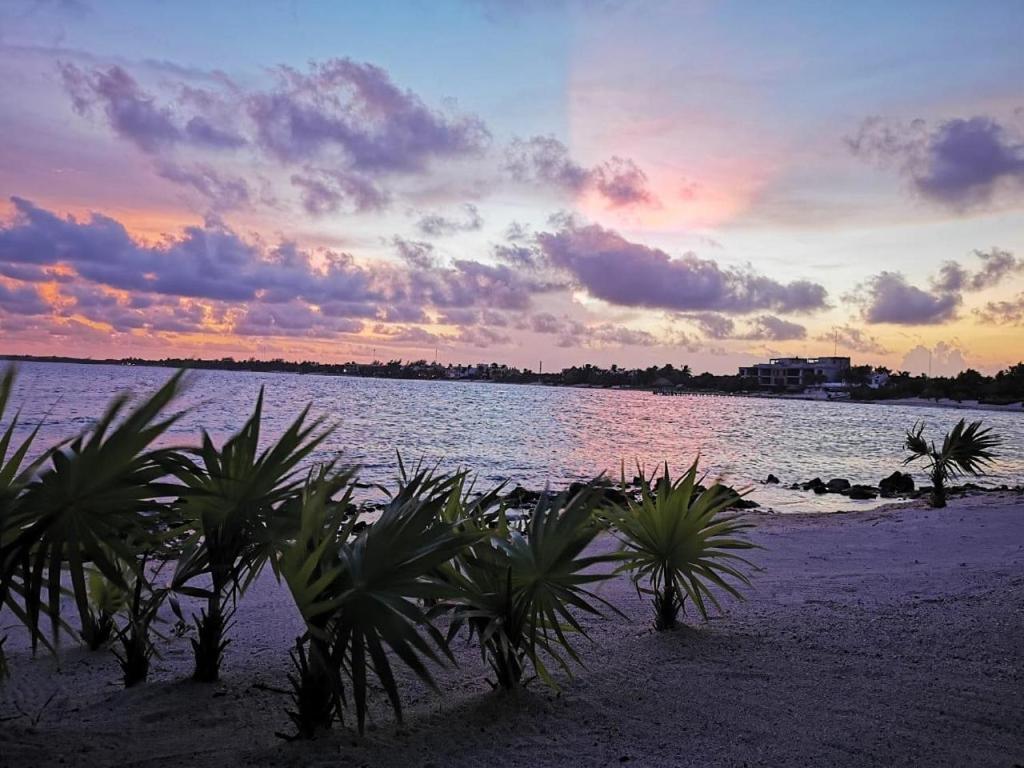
[[516, 590], [361, 594], [678, 543], [230, 505], [966, 450]]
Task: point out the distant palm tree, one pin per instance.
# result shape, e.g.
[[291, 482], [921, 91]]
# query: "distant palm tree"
[[966, 450]]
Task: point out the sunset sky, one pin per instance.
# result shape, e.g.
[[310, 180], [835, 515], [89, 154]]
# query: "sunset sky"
[[709, 183]]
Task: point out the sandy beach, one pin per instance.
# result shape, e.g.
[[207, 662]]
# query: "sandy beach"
[[889, 637]]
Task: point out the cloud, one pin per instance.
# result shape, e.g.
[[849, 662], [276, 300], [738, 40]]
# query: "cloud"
[[341, 127], [622, 182], [415, 253], [996, 265], [888, 298], [435, 225], [621, 272], [942, 360], [713, 325], [355, 110], [961, 163], [223, 192], [855, 339], [771, 328], [132, 114], [545, 160], [1003, 312], [214, 264], [22, 300], [323, 192]]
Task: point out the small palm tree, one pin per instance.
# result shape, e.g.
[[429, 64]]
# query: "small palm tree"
[[362, 594], [230, 504], [13, 479], [99, 499], [966, 450], [516, 590], [677, 539]]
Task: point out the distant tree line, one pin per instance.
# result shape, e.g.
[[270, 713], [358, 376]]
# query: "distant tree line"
[[1007, 386]]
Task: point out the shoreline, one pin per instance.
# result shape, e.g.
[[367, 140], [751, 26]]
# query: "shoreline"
[[846, 613], [914, 402]]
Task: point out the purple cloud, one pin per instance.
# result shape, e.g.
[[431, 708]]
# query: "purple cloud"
[[1003, 312], [888, 298], [435, 225], [996, 266], [355, 109], [961, 163], [621, 272], [856, 339], [545, 160]]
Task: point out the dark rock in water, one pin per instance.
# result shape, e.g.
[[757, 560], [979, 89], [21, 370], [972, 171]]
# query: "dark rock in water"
[[897, 483], [605, 493], [744, 504], [861, 492], [813, 485], [837, 485], [771, 480], [521, 497], [820, 489], [794, 487]]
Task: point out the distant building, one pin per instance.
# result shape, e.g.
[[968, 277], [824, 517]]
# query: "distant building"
[[797, 372]]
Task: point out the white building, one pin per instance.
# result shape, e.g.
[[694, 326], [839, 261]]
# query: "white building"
[[797, 372]]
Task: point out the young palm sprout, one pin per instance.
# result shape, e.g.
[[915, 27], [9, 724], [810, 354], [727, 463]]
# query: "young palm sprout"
[[966, 450]]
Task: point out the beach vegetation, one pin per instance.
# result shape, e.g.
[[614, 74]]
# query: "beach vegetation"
[[967, 449], [517, 589], [365, 592], [96, 502], [229, 506], [679, 543]]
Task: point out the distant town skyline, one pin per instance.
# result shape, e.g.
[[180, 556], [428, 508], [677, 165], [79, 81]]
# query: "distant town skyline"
[[625, 181]]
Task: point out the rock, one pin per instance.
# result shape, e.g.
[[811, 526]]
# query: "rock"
[[861, 492], [521, 497], [744, 504], [771, 480], [896, 484], [814, 484], [838, 485]]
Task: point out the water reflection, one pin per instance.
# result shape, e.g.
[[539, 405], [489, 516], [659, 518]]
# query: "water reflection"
[[533, 435]]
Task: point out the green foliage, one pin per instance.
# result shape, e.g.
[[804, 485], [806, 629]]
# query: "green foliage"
[[967, 449], [106, 599], [678, 541], [13, 479], [100, 500], [516, 589], [362, 594], [230, 506], [135, 637]]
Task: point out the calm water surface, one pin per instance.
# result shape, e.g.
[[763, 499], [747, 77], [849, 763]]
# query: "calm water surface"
[[529, 434]]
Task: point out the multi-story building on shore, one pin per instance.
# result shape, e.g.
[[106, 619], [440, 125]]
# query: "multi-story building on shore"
[[797, 372]]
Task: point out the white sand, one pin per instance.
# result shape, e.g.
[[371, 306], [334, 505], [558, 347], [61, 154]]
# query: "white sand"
[[892, 637]]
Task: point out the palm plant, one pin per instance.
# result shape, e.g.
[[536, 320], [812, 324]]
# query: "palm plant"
[[230, 503], [516, 589], [13, 479], [106, 600], [678, 542], [135, 636], [100, 500], [966, 450], [361, 595]]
